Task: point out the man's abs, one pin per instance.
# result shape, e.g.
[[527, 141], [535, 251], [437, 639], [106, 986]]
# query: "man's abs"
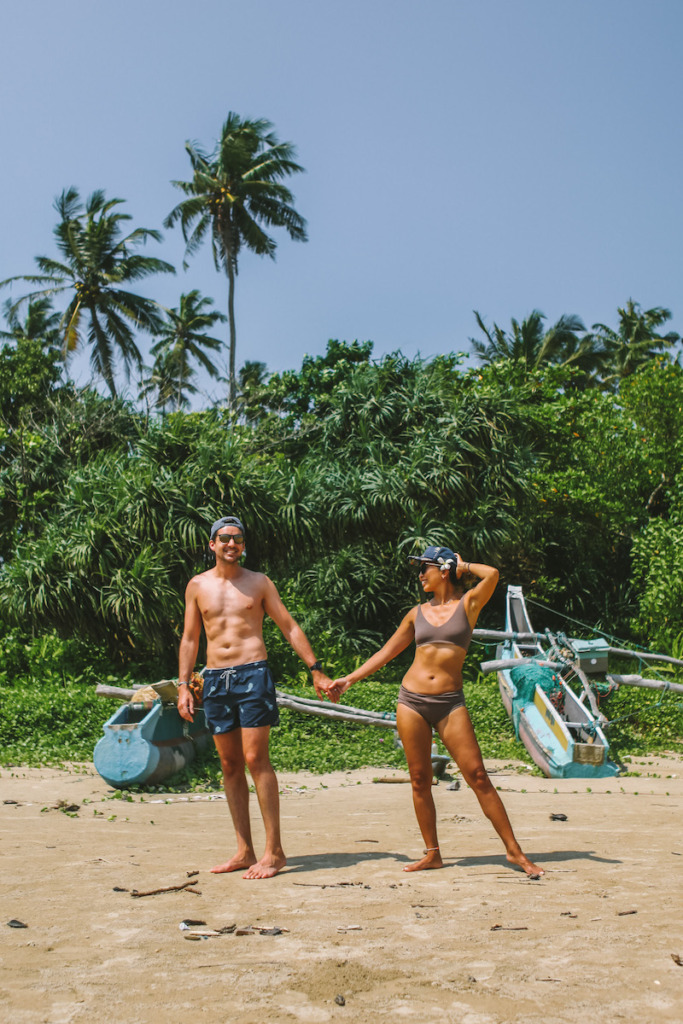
[[232, 616]]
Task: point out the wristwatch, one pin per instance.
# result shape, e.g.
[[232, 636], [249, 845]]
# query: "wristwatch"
[[315, 667]]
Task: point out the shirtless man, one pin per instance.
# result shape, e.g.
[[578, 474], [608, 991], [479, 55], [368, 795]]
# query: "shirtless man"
[[239, 693]]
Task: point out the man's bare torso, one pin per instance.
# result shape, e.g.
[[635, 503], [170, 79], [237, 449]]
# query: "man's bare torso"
[[232, 613]]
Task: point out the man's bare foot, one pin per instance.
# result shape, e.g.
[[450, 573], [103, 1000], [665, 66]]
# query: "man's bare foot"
[[431, 859], [235, 863], [266, 867], [532, 870]]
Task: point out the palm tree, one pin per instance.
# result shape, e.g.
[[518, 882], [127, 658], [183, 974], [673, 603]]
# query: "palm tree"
[[635, 342], [164, 379], [530, 342], [235, 193], [252, 379], [40, 323], [96, 261], [182, 336]]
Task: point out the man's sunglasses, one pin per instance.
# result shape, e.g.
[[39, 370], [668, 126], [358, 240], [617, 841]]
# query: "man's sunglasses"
[[224, 538]]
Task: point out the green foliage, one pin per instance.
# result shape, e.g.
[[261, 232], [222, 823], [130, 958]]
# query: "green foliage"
[[49, 711], [182, 336], [95, 261], [340, 470], [644, 721]]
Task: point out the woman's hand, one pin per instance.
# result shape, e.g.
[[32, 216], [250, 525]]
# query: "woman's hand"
[[461, 567], [338, 687]]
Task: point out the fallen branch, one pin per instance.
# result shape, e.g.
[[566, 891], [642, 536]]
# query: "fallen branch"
[[166, 888]]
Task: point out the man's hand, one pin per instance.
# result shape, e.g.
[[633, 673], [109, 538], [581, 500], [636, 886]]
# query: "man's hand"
[[185, 702], [322, 684]]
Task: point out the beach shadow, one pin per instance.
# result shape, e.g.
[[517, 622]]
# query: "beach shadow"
[[555, 857], [336, 861]]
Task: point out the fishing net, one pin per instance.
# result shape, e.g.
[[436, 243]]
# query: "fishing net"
[[526, 678]]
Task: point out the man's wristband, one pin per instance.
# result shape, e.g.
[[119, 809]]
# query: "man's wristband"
[[183, 683], [315, 667]]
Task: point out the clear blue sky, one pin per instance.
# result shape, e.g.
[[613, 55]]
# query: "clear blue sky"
[[460, 154]]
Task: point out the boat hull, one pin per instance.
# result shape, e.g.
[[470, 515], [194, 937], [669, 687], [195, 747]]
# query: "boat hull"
[[566, 743], [146, 746]]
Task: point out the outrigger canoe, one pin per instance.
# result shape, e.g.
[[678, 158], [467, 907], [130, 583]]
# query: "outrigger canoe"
[[147, 742], [563, 733]]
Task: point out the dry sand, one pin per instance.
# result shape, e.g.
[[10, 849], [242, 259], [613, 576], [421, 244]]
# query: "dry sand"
[[475, 943]]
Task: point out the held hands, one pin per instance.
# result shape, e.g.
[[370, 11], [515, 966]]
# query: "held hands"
[[338, 687], [322, 685]]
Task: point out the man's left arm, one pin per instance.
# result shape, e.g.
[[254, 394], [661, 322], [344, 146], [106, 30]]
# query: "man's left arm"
[[294, 634]]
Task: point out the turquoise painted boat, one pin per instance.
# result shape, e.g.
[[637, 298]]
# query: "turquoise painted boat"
[[143, 744], [564, 737]]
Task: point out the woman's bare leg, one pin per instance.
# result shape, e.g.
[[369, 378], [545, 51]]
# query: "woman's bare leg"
[[458, 736], [416, 737]]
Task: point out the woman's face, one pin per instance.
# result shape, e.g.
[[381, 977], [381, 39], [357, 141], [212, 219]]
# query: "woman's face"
[[429, 576]]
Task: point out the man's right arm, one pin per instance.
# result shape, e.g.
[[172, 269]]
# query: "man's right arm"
[[189, 646]]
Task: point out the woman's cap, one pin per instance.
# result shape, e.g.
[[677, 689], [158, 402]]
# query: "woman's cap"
[[442, 556], [225, 521]]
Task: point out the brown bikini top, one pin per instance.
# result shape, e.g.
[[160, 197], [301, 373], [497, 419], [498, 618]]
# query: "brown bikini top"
[[455, 630]]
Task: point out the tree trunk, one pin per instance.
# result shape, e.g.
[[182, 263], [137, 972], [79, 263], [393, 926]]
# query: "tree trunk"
[[232, 379]]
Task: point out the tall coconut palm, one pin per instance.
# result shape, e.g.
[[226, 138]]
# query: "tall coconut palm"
[[635, 342], [96, 262], [182, 336], [236, 192], [530, 342]]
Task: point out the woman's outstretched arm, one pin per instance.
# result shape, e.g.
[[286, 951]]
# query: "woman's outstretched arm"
[[404, 635]]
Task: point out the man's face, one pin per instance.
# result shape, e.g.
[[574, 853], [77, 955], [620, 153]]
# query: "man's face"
[[228, 544]]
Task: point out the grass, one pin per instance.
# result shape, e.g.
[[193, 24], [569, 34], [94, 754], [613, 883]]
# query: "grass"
[[59, 719]]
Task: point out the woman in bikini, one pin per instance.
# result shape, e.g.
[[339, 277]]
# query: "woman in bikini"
[[431, 694]]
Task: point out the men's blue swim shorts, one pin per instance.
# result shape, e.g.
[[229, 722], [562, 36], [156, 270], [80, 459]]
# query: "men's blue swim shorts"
[[241, 697]]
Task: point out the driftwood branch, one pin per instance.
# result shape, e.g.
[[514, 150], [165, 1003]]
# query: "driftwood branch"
[[167, 888]]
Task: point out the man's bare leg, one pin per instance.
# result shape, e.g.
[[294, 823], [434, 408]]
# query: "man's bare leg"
[[255, 748], [229, 747]]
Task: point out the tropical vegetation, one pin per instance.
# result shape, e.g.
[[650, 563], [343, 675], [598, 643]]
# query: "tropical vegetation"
[[95, 262], [558, 456]]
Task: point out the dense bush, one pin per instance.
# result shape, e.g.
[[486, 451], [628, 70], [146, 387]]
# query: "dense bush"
[[340, 470]]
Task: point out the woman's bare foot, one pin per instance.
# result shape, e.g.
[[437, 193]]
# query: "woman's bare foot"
[[431, 859], [532, 870], [235, 863], [266, 867]]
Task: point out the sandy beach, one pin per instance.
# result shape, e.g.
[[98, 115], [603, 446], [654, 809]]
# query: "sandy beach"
[[352, 936]]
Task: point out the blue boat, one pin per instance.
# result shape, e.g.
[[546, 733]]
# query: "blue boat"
[[143, 744], [564, 737]]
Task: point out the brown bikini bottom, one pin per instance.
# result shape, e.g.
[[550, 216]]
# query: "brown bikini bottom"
[[432, 706]]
